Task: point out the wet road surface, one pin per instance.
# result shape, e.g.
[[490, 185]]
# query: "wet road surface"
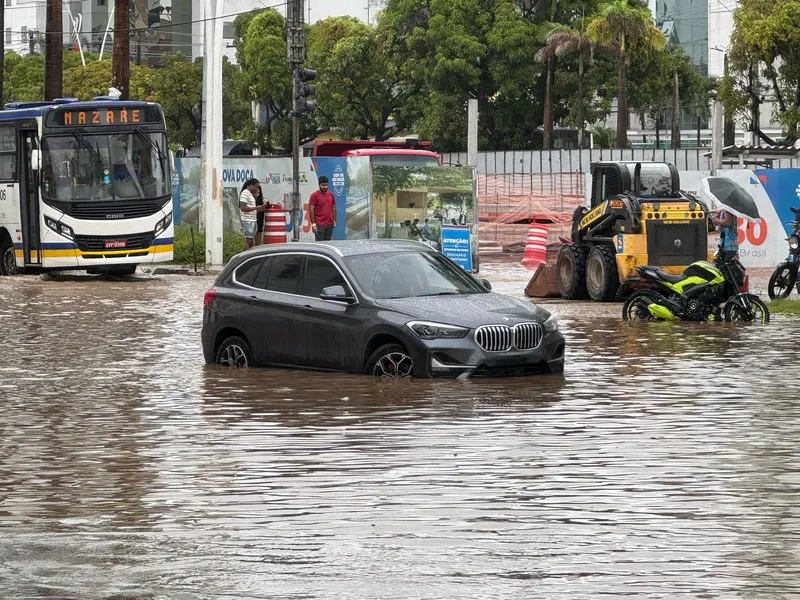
[[662, 465]]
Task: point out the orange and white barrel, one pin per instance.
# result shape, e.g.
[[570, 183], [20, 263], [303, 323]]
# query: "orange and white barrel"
[[535, 246], [274, 225]]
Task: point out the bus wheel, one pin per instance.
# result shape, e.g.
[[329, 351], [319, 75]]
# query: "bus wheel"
[[8, 258]]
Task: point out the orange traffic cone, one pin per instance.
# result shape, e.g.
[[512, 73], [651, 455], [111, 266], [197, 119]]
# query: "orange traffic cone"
[[535, 246]]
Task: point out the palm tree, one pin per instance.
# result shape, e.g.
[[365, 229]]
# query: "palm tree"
[[547, 54], [623, 28], [53, 51], [561, 40]]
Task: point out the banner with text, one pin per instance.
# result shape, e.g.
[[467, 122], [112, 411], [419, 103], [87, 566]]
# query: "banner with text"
[[275, 176]]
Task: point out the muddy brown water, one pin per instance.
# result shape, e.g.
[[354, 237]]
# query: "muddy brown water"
[[662, 465]]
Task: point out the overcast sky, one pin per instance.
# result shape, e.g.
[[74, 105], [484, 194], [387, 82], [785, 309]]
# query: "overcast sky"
[[322, 9]]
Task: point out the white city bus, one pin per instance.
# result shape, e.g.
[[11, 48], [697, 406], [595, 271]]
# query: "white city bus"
[[84, 185]]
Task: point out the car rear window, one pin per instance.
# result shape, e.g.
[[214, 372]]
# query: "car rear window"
[[246, 273], [320, 273]]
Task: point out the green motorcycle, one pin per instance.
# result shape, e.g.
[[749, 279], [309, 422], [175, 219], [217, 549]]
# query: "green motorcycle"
[[705, 291]]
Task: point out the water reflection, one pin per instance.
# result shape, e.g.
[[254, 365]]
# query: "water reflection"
[[128, 469]]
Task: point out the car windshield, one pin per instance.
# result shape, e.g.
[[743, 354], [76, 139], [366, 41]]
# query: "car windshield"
[[409, 275], [80, 168]]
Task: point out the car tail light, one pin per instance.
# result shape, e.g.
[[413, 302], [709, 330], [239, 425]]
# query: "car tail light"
[[209, 297]]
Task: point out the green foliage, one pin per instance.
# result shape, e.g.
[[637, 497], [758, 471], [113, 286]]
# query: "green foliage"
[[232, 244], [764, 56], [235, 100], [653, 72], [786, 306], [177, 86], [362, 83], [604, 137], [469, 49], [24, 81]]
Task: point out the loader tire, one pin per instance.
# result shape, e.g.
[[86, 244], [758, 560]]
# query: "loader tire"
[[602, 280], [571, 271]]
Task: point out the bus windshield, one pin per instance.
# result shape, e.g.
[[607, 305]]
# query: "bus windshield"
[[104, 166]]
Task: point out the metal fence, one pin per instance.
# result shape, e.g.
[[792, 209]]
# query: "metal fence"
[[524, 162]]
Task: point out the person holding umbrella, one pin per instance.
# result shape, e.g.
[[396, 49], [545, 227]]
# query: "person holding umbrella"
[[726, 224], [732, 201]]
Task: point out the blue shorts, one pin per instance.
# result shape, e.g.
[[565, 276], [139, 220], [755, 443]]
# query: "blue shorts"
[[249, 229]]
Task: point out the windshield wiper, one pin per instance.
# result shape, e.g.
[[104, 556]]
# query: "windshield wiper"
[[442, 294], [153, 146], [83, 142]]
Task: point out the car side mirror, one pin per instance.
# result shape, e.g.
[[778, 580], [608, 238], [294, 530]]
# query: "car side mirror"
[[36, 159], [336, 293], [485, 283]]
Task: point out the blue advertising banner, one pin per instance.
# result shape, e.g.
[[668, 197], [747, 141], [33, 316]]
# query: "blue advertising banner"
[[334, 168], [176, 193], [456, 245]]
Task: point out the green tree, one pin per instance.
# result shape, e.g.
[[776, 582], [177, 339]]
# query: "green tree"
[[361, 82], [461, 49], [624, 29], [764, 59], [236, 112], [653, 90], [261, 49], [565, 40]]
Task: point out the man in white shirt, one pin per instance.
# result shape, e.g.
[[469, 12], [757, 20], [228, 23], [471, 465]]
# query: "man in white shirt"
[[248, 210]]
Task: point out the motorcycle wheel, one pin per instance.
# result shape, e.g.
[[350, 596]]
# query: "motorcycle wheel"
[[757, 313], [635, 308], [782, 280]]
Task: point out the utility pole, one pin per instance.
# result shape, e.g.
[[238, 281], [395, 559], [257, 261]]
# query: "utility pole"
[[676, 112], [53, 51], [121, 53], [211, 136], [295, 50]]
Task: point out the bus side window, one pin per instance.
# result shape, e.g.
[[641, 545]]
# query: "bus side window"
[[8, 153]]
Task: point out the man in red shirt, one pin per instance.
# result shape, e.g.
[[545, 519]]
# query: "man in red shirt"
[[322, 211]]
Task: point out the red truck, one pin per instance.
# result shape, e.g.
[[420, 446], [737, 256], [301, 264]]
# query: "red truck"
[[410, 153]]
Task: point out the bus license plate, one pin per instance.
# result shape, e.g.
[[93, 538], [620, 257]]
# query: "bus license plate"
[[115, 243]]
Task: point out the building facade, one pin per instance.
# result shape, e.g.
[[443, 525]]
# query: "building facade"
[[157, 26]]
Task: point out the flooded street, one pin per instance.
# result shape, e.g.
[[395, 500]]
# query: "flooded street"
[[663, 464]]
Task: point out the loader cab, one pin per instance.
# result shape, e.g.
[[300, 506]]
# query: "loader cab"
[[643, 180], [609, 179]]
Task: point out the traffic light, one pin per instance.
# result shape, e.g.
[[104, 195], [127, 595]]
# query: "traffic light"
[[303, 90]]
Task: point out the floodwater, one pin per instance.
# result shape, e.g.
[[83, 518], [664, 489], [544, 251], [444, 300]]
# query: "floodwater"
[[663, 464]]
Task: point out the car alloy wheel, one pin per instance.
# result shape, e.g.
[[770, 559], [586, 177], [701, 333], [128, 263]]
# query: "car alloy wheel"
[[394, 364], [235, 352]]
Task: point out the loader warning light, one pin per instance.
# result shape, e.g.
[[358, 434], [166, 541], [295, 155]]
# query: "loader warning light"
[[616, 204]]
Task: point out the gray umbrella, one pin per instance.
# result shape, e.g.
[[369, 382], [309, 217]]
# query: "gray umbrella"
[[729, 195]]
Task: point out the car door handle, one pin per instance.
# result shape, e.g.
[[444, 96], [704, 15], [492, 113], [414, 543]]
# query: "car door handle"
[[306, 308]]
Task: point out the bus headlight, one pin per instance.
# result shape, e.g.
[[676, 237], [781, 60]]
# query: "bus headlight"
[[60, 228], [162, 225]]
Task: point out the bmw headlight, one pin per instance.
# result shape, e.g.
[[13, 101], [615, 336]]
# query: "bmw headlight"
[[162, 225], [551, 324], [437, 331], [794, 243]]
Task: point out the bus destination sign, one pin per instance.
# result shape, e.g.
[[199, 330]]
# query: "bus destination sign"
[[111, 115]]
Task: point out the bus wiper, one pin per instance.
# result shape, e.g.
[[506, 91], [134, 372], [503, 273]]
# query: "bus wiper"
[[83, 142], [153, 146]]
